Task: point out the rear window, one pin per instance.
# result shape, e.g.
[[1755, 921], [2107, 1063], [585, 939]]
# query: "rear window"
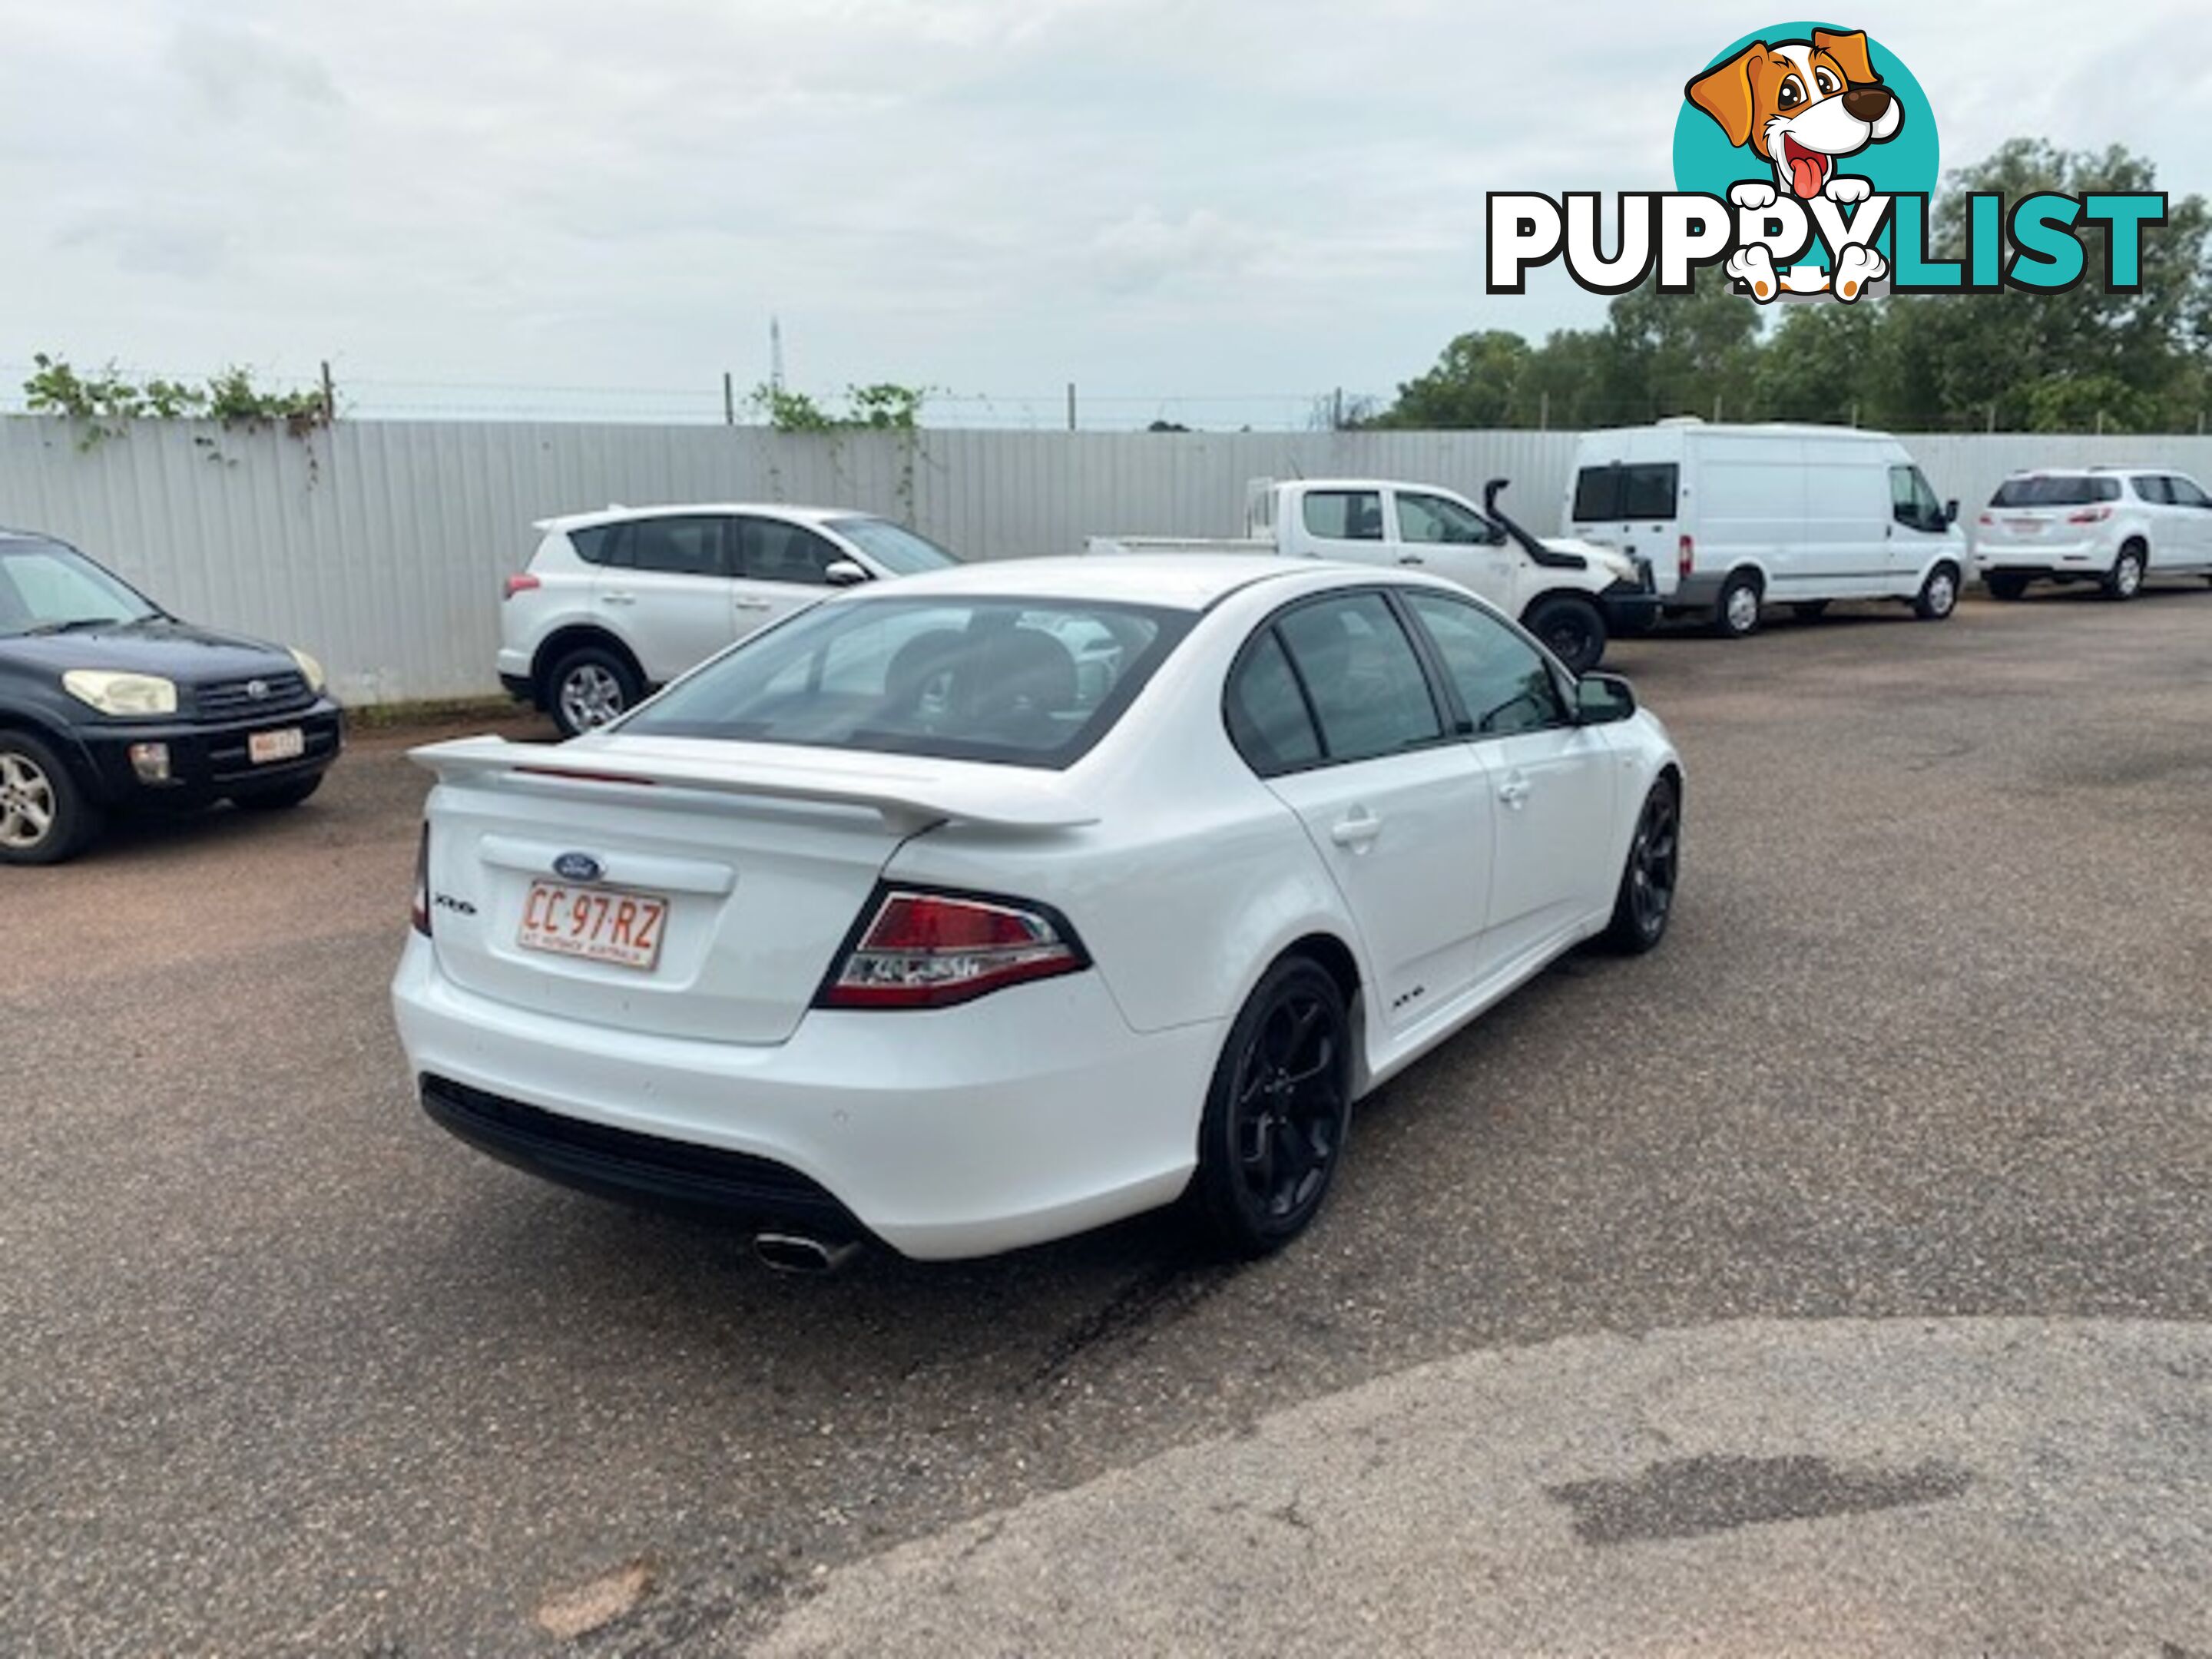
[[1638, 490], [2056, 489], [1026, 682]]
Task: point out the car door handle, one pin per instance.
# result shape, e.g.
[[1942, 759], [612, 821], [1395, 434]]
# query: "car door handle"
[[619, 598], [752, 604], [1412, 558], [1356, 831], [1514, 790]]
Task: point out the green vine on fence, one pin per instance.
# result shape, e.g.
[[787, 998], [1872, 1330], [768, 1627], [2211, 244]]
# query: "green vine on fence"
[[101, 403], [883, 406]]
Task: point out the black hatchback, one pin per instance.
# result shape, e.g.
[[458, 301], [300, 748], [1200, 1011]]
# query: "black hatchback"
[[108, 703]]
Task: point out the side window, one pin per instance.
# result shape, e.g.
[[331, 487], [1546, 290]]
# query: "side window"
[[1344, 515], [2185, 493], [2152, 488], [1368, 690], [678, 546], [1597, 493], [771, 551], [1648, 489], [1439, 519], [1502, 681], [1267, 713], [1911, 502], [598, 543]]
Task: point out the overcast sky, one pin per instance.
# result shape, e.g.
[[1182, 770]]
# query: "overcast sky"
[[1157, 199]]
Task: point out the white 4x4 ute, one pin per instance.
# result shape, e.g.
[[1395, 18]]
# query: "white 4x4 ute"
[[2113, 525], [616, 603]]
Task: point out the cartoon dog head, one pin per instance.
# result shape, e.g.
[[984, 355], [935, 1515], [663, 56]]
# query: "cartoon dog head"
[[1800, 105]]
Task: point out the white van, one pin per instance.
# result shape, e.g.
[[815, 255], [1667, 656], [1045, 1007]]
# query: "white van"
[[1735, 517]]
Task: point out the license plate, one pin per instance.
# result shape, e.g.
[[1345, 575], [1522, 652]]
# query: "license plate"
[[598, 924], [287, 744], [2023, 526]]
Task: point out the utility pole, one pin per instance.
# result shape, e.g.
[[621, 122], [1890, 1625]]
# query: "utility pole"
[[729, 400], [1716, 408], [774, 355], [1071, 405], [1855, 412], [1543, 411], [330, 395], [2100, 423], [1993, 418], [1336, 411]]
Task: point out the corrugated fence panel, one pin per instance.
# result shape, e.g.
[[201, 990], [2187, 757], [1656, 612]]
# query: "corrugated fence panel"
[[380, 545]]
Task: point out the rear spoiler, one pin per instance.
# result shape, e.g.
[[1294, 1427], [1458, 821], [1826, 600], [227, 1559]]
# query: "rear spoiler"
[[1009, 797]]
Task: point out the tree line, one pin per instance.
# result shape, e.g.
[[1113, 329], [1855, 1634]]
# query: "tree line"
[[2080, 360]]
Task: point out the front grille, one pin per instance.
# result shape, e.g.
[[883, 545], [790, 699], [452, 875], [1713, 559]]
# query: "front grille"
[[620, 1163], [280, 693]]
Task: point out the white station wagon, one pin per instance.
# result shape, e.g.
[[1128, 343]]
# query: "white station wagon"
[[985, 907]]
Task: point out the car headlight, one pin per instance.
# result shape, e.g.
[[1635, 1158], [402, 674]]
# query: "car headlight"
[[309, 666], [114, 693]]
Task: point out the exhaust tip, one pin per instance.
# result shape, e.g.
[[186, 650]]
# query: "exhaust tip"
[[795, 1253]]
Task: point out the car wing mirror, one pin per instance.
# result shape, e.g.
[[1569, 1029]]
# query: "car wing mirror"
[[1951, 511], [844, 573], [1603, 699]]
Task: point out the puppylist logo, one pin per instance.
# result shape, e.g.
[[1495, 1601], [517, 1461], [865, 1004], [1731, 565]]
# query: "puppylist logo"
[[1805, 154]]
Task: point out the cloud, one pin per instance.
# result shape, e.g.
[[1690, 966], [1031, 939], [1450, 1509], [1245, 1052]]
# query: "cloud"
[[238, 73]]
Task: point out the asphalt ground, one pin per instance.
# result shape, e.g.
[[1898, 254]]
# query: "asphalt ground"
[[286, 1369]]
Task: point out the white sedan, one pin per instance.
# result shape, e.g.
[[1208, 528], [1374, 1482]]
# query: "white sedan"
[[995, 904]]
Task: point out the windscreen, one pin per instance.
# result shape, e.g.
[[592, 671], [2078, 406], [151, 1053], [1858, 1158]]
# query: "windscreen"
[[2056, 489], [1029, 683], [893, 546], [48, 589]]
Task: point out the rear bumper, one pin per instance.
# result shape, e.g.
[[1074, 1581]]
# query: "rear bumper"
[[2053, 558], [1026, 1115], [207, 761]]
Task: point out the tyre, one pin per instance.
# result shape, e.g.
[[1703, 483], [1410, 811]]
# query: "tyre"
[[1277, 1114], [1571, 628], [2125, 580], [277, 797], [1646, 898], [45, 817], [1938, 594], [590, 686], [1810, 609], [2005, 586], [1736, 615]]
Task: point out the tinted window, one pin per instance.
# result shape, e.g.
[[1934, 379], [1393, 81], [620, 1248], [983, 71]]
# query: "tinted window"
[[1362, 677], [1268, 719], [1344, 515], [2152, 488], [770, 550], [677, 547], [598, 544], [893, 546], [1028, 683], [1501, 680], [1647, 490], [2186, 494], [2056, 489], [1597, 493], [45, 585], [1439, 519]]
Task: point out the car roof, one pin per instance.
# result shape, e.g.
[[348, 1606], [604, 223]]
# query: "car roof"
[[2080, 472], [615, 513], [1174, 581]]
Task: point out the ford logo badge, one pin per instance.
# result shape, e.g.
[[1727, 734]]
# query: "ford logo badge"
[[578, 866]]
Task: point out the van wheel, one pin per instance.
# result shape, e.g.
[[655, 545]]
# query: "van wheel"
[[1938, 594], [588, 687], [1810, 609], [2125, 580], [1571, 628], [44, 817], [2005, 587], [1736, 615], [1277, 1113]]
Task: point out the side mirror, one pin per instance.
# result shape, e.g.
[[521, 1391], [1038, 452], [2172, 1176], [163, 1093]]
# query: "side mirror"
[[1495, 536], [844, 573], [1602, 699], [1951, 511]]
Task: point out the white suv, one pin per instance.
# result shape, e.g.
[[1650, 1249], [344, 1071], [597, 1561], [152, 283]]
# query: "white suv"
[[614, 604], [2114, 526]]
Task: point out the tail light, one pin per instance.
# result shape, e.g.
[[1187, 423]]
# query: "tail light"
[[2090, 516], [1989, 517], [934, 950], [523, 582], [1686, 554], [422, 915]]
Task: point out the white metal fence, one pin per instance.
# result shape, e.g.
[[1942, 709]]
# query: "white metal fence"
[[380, 545]]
